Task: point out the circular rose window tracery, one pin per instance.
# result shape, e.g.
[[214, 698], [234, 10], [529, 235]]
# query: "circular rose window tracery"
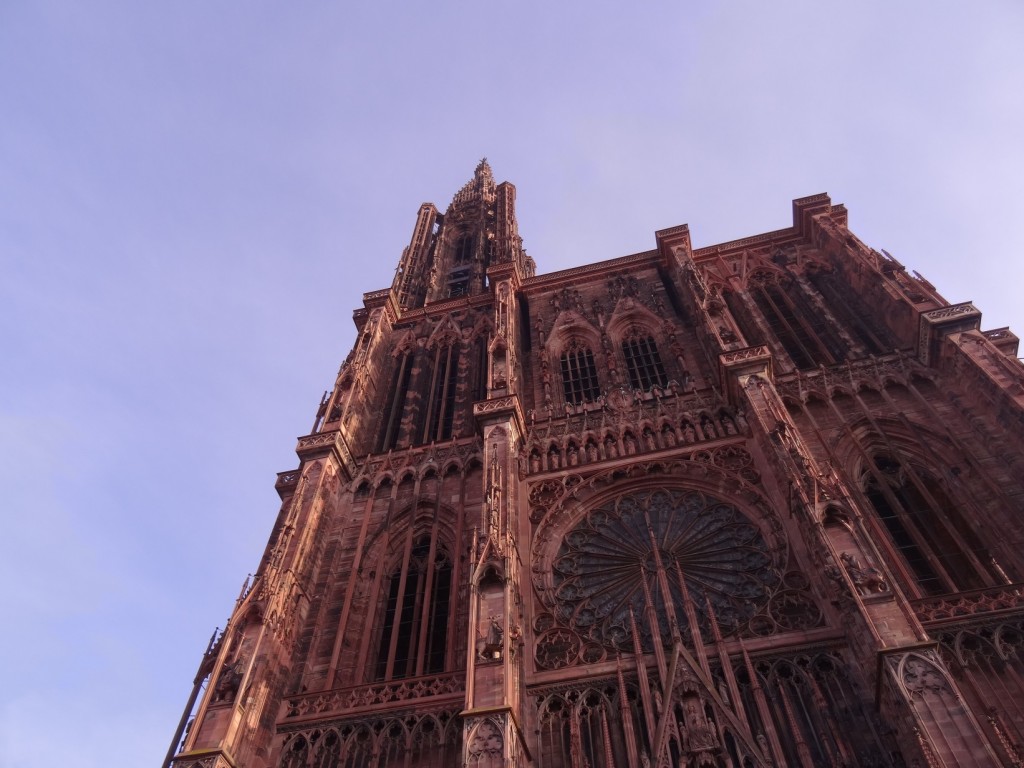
[[600, 570]]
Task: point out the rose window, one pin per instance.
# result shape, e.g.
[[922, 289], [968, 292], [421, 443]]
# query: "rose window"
[[609, 563]]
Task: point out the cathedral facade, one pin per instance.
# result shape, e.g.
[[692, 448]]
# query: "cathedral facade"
[[756, 504]]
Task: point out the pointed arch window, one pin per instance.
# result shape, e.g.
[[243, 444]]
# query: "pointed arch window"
[[414, 625], [643, 363], [458, 283], [444, 382], [579, 374], [941, 552], [464, 249], [806, 337], [396, 408]]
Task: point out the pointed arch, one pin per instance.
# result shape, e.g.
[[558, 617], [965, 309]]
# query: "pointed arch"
[[416, 593]]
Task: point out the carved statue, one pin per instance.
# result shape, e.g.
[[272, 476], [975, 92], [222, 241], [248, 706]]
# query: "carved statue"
[[228, 682], [867, 579]]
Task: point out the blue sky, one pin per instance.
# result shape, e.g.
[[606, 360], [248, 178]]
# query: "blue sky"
[[194, 196]]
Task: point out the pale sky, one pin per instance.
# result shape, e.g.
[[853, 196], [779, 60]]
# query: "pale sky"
[[195, 195]]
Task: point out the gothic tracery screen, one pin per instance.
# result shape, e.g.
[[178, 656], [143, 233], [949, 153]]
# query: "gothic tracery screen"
[[415, 624], [942, 553], [623, 555]]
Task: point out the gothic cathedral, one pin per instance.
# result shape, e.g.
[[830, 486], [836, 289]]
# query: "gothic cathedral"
[[756, 504]]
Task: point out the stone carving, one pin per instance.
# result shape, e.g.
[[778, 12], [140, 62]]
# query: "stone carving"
[[557, 648], [376, 694], [867, 579], [487, 740], [973, 603], [489, 646], [228, 682], [921, 677]]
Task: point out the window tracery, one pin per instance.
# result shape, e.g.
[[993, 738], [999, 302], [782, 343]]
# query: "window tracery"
[[808, 697], [643, 363], [444, 382], [941, 552], [579, 374], [614, 560], [414, 625], [807, 340]]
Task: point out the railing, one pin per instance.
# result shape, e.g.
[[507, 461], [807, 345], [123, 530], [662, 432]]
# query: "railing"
[[978, 601], [376, 694]]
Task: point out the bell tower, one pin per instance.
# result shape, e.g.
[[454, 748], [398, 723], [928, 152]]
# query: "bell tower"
[[387, 609], [450, 253]]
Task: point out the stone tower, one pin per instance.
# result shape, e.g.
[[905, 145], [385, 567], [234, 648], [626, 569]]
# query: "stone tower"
[[756, 504]]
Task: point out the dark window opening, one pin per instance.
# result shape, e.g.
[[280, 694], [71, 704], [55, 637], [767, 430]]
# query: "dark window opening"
[[413, 638], [644, 363], [399, 389], [464, 250], [579, 376], [458, 283], [926, 528], [443, 388], [804, 334], [853, 312]]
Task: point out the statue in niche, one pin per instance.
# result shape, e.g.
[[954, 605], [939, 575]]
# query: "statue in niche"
[[534, 461], [228, 682], [867, 579], [553, 458], [609, 447], [490, 648], [649, 439], [741, 421], [668, 435], [728, 424], [498, 377]]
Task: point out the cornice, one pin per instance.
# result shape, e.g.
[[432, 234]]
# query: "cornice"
[[560, 278]]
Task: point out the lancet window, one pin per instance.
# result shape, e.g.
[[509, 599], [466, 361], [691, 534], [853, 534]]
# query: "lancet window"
[[464, 250], [803, 334], [855, 314], [444, 380], [603, 725], [458, 283], [643, 362], [396, 405], [941, 552], [988, 662], [414, 624], [816, 715], [579, 375]]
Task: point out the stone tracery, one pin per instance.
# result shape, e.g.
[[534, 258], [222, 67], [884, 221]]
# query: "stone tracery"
[[609, 561]]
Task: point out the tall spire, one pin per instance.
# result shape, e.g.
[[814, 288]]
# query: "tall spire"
[[478, 189]]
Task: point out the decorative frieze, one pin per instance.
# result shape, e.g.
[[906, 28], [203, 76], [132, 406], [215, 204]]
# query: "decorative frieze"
[[348, 700], [977, 602]]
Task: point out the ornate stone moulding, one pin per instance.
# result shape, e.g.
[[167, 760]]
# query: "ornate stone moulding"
[[351, 701], [1001, 599]]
